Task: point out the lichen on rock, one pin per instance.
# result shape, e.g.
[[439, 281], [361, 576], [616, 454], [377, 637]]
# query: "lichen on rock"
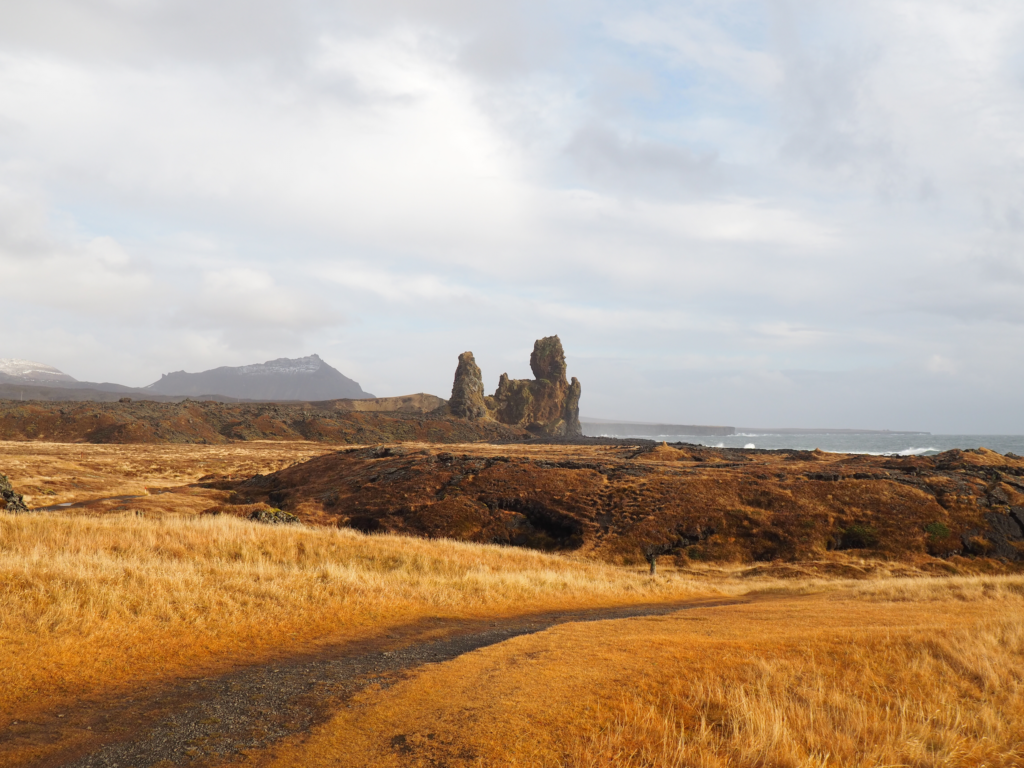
[[273, 516], [9, 500]]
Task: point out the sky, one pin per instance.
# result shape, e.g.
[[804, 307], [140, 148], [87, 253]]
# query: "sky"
[[780, 213]]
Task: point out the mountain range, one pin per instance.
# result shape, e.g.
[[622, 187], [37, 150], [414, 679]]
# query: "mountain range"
[[304, 378]]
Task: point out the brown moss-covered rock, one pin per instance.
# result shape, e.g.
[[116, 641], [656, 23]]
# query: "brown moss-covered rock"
[[9, 500], [628, 503], [468, 390]]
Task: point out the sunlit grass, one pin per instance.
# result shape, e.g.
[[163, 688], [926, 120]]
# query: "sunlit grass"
[[884, 675], [89, 604]]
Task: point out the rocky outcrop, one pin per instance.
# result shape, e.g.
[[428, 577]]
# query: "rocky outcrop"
[[9, 500], [468, 390], [273, 517], [1002, 538], [571, 409], [547, 405], [632, 502]]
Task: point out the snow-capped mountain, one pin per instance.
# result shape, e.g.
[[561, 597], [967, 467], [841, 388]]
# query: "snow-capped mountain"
[[298, 365], [303, 378], [28, 371]]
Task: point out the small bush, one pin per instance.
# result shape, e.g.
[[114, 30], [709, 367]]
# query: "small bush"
[[859, 537], [937, 530]]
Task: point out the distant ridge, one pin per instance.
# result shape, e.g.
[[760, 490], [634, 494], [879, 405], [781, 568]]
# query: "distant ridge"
[[302, 378], [601, 428], [77, 393], [15, 371], [19, 378]]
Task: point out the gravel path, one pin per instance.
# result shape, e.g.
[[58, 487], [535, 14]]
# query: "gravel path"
[[202, 720]]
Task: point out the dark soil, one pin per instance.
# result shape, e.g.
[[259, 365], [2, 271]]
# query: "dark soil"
[[203, 721]]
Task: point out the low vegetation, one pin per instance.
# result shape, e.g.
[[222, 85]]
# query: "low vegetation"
[[850, 652], [903, 672], [49, 474], [957, 512], [92, 605], [206, 422]]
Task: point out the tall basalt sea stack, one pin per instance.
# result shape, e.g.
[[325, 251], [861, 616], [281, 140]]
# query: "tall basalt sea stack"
[[547, 405], [468, 390]]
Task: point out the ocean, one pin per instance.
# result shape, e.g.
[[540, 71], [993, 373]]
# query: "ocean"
[[857, 442]]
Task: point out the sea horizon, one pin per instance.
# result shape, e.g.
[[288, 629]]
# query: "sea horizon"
[[872, 443]]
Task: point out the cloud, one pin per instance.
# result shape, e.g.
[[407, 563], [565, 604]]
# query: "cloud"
[[751, 207], [400, 288], [415, 150], [940, 364], [252, 299], [638, 166], [704, 44], [95, 276]]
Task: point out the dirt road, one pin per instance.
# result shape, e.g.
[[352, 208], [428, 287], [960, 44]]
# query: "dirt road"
[[201, 722]]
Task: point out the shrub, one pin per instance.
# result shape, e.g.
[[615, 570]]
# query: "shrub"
[[859, 537], [937, 530]]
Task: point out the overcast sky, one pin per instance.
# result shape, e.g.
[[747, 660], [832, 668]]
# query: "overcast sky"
[[775, 213]]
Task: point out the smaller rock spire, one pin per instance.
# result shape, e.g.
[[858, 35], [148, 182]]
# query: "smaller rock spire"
[[468, 390]]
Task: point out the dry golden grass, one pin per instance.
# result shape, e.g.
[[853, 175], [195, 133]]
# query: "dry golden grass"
[[923, 674], [92, 606], [819, 670], [55, 473]]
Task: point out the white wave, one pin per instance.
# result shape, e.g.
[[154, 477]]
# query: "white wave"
[[750, 445], [905, 452]]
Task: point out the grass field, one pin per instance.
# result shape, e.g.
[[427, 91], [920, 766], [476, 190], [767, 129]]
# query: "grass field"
[[97, 606], [56, 473], [815, 672], [890, 674], [891, 668]]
